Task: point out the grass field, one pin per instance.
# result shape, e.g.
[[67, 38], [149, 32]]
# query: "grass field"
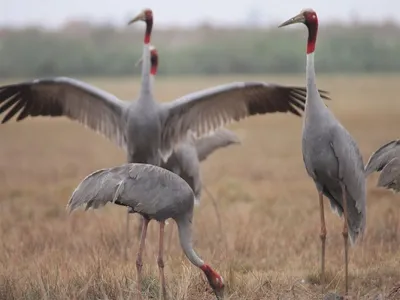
[[269, 248]]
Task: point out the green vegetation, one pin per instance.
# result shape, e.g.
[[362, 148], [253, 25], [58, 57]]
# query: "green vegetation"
[[80, 49]]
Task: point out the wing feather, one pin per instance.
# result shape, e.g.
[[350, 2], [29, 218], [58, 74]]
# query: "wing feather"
[[61, 96], [390, 175], [381, 157], [147, 189], [205, 111]]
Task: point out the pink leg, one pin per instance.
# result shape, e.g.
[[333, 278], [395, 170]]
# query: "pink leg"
[[323, 239], [139, 262], [160, 261], [345, 237], [127, 236]]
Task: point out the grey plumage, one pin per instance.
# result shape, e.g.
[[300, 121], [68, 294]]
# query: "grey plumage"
[[185, 160], [331, 157], [155, 193], [149, 190], [386, 160]]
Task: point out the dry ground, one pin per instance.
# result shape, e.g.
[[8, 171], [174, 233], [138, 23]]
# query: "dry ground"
[[270, 244]]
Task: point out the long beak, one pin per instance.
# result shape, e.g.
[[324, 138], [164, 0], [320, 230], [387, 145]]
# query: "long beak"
[[137, 18], [297, 19], [219, 294]]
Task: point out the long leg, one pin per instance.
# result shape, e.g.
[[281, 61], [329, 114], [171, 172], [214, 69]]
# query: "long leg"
[[345, 237], [323, 239], [160, 262], [139, 261], [139, 227], [127, 235]]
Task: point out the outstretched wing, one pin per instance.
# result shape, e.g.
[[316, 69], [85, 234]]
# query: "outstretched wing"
[[207, 110], [61, 96]]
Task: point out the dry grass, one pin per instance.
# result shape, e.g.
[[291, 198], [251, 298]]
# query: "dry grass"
[[270, 245]]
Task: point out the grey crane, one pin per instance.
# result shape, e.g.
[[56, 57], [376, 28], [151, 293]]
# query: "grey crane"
[[387, 161], [331, 156], [186, 157], [156, 194]]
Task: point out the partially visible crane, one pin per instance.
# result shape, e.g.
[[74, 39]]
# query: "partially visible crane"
[[387, 161], [331, 156], [156, 194], [186, 157]]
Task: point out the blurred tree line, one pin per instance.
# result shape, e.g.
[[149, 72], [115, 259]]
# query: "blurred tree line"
[[82, 49]]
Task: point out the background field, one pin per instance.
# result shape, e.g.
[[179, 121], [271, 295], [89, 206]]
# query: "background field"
[[270, 244]]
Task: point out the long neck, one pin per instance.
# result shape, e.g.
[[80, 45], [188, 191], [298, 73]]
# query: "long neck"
[[146, 81], [312, 90], [185, 238]]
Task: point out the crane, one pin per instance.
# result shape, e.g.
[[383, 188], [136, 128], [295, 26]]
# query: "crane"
[[156, 194], [186, 157], [331, 156], [387, 161]]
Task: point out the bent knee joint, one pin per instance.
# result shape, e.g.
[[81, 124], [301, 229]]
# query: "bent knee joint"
[[160, 262], [139, 263]]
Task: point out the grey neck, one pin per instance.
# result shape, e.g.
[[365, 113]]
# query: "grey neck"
[[146, 81], [185, 238], [313, 97]]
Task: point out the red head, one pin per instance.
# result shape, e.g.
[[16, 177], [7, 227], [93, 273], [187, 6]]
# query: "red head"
[[309, 18], [146, 16], [215, 280]]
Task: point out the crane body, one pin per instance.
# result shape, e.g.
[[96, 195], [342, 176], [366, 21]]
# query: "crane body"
[[156, 194]]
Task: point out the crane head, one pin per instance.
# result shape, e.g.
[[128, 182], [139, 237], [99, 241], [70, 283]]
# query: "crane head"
[[145, 16], [306, 16], [215, 280]]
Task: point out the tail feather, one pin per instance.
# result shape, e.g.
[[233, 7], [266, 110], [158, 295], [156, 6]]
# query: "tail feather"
[[95, 190], [381, 157]]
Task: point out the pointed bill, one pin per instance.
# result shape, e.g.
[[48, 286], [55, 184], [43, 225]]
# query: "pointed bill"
[[139, 17], [297, 19]]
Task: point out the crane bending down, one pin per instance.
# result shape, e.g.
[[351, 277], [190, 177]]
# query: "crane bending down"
[[155, 193], [331, 156], [387, 161], [185, 158]]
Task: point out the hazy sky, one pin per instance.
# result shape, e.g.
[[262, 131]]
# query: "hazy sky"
[[55, 12]]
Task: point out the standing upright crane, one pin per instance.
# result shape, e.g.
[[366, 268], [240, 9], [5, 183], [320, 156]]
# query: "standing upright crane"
[[387, 161], [155, 193], [331, 156]]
